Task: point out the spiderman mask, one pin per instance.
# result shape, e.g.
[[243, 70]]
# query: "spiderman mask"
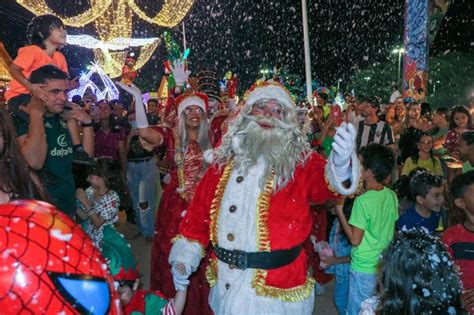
[[49, 265]]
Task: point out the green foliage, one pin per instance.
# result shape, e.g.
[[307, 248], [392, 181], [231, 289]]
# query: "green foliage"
[[450, 79]]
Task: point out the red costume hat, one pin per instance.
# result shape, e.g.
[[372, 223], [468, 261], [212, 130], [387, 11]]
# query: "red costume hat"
[[268, 90], [191, 98]]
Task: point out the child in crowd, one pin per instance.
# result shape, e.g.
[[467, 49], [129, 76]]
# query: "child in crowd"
[[372, 223], [99, 204], [339, 264], [459, 122], [46, 35], [465, 150], [326, 137], [423, 157], [417, 277], [441, 128], [427, 190], [402, 189], [460, 238], [135, 301]]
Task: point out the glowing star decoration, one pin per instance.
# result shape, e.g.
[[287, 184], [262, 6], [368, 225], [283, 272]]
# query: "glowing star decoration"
[[109, 91]]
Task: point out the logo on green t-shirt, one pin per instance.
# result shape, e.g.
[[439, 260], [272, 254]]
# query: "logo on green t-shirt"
[[64, 149]]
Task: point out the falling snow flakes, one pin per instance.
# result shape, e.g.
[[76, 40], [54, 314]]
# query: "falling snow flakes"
[[60, 236], [270, 28], [426, 292], [293, 9]]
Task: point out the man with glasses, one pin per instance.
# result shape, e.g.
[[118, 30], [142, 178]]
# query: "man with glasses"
[[252, 206]]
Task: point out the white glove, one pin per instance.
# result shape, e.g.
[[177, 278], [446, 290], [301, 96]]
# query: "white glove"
[[179, 74], [181, 272], [343, 147], [140, 114]]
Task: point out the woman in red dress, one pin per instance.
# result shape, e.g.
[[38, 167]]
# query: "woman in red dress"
[[185, 145]]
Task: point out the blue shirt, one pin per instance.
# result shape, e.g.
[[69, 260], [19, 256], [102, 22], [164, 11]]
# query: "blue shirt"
[[341, 247], [412, 219]]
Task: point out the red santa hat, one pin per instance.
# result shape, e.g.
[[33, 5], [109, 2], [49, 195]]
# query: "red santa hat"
[[192, 98], [268, 90]]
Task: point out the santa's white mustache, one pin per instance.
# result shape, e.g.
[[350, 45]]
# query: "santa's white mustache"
[[270, 121]]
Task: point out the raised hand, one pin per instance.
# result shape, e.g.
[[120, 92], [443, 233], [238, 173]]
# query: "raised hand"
[[180, 75], [344, 144]]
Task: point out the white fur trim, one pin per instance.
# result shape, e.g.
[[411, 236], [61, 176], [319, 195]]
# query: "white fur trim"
[[187, 252], [336, 183], [190, 101], [209, 156], [270, 91]]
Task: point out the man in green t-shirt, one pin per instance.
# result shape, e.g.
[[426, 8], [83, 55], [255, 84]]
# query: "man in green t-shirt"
[[372, 223], [45, 140]]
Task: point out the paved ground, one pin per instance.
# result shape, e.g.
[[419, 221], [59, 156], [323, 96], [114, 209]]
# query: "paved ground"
[[141, 249]]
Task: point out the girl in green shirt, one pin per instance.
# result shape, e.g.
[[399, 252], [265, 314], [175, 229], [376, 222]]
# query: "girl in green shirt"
[[424, 157]]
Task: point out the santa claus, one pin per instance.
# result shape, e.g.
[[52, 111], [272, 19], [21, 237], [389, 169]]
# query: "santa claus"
[[252, 207]]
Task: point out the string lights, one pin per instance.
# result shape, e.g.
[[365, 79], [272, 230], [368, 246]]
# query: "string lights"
[[40, 7], [116, 22], [172, 12], [113, 61], [115, 44]]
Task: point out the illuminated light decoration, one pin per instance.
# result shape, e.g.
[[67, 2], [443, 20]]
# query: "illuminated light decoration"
[[109, 92], [162, 92], [107, 56], [172, 12], [112, 62], [119, 43], [40, 7], [116, 22]]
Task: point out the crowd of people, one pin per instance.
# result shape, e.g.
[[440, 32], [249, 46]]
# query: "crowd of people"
[[253, 207]]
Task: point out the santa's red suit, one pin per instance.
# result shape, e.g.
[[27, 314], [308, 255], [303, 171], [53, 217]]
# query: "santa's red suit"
[[241, 215]]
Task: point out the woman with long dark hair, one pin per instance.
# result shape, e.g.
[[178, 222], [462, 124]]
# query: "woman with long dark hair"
[[17, 180], [423, 157], [185, 144]]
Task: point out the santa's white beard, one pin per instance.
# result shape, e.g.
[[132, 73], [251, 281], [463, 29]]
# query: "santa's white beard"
[[281, 147]]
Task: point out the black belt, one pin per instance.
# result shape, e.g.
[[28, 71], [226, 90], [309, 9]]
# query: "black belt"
[[140, 160], [257, 260]]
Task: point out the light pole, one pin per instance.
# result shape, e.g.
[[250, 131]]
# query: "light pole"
[[307, 57], [400, 52]]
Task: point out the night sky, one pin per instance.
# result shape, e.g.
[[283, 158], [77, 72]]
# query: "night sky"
[[245, 36]]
